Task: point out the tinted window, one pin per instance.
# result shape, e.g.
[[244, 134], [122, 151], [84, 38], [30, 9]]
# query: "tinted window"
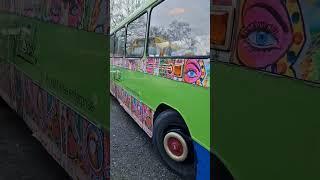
[[180, 28], [119, 43], [136, 33]]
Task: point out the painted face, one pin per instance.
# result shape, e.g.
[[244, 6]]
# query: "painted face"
[[192, 71], [56, 10], [266, 33], [75, 12]]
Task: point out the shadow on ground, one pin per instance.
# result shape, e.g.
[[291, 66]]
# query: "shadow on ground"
[[21, 155]]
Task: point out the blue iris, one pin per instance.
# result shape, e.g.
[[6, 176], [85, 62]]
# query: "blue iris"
[[191, 74], [261, 39]]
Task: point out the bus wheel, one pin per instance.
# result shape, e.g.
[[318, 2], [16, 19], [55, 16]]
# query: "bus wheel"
[[172, 141]]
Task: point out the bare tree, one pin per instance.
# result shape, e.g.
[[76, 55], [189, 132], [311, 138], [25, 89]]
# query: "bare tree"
[[120, 9]]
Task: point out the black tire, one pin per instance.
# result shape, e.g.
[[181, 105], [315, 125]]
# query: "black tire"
[[170, 121]]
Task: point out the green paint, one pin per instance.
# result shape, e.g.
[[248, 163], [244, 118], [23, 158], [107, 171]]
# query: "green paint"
[[71, 64], [265, 127], [192, 102]]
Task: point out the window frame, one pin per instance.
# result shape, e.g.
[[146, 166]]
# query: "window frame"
[[111, 54], [146, 34], [125, 34], [169, 57]]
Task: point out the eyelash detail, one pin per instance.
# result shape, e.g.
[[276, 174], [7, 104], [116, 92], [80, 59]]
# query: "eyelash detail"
[[259, 26], [255, 49]]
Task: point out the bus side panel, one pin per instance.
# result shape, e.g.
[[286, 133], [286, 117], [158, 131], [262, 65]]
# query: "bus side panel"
[[140, 112], [129, 103], [51, 76], [150, 84], [63, 132], [273, 130]]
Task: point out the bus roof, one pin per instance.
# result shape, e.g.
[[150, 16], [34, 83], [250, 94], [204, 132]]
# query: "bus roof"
[[145, 6]]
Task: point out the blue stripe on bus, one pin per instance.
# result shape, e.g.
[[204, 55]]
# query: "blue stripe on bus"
[[202, 162]]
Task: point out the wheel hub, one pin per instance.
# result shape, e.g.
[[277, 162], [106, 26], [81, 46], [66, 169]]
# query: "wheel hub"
[[175, 146]]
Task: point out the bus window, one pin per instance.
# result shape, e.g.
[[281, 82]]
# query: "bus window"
[[222, 25], [112, 45], [136, 33], [119, 43], [176, 31]]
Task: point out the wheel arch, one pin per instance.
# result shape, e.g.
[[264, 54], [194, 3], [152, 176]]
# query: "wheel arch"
[[163, 107]]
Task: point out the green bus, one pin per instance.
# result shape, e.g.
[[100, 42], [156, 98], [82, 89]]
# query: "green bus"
[[266, 59], [53, 66], [160, 74]]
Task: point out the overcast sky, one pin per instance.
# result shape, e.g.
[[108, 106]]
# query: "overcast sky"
[[194, 12]]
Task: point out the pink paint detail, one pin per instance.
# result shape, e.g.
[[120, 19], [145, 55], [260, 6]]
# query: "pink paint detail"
[[192, 71], [259, 58], [75, 13], [151, 63], [56, 11]]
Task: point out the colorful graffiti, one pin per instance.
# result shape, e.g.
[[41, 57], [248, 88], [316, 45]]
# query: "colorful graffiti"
[[97, 17], [152, 66], [55, 12], [267, 38], [147, 114], [28, 100], [140, 112], [53, 121], [166, 68], [81, 14], [191, 71], [80, 143], [28, 9], [280, 37], [18, 92], [94, 150], [195, 72], [75, 14]]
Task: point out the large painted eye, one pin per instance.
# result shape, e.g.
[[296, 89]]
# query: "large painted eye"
[[192, 73], [261, 39]]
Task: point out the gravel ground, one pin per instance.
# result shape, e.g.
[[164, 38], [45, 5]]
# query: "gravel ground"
[[132, 154], [22, 157]]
